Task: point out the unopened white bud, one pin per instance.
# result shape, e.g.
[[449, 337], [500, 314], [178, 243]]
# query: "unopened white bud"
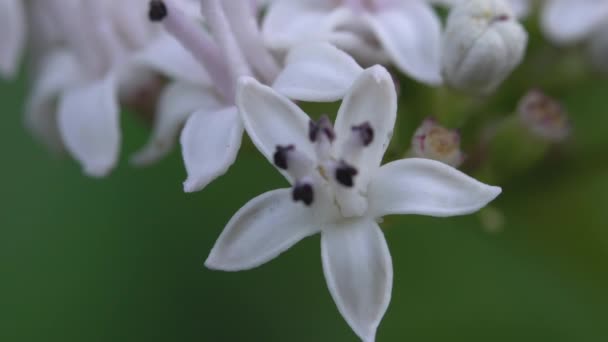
[[433, 141], [482, 45]]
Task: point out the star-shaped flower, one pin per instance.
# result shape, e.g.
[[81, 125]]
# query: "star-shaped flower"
[[406, 32], [339, 190], [206, 107]]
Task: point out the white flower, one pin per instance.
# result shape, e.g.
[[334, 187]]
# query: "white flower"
[[205, 106], [406, 31], [12, 36], [83, 72], [568, 21], [338, 190], [482, 45]]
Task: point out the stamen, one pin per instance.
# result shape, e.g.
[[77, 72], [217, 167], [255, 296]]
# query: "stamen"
[[345, 174], [322, 126], [157, 11], [365, 133], [281, 156], [297, 164], [197, 41], [303, 191]]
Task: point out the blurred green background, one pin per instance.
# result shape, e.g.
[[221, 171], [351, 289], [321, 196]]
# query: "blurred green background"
[[121, 259]]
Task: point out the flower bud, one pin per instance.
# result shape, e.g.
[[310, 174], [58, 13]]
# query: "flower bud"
[[543, 116], [433, 141], [482, 45], [521, 141]]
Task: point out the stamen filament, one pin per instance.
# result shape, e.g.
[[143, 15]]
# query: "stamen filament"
[[215, 16], [241, 15], [194, 38]]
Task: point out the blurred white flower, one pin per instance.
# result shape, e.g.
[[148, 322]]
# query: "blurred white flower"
[[482, 45], [13, 33], [82, 73], [406, 32], [433, 141], [233, 48], [568, 21], [338, 190]]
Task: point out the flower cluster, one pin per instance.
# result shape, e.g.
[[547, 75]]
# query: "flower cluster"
[[207, 72]]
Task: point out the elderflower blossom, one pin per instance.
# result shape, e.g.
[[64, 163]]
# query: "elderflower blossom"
[[233, 48], [339, 190]]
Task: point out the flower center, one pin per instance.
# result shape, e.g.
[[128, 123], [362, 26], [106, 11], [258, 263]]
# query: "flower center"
[[328, 172]]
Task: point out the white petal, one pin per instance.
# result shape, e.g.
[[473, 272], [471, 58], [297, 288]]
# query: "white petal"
[[360, 45], [12, 36], [426, 187], [168, 57], [271, 119], [373, 99], [566, 21], [210, 142], [89, 125], [317, 72], [57, 71], [411, 35], [288, 23], [177, 101], [359, 273], [261, 230], [521, 7]]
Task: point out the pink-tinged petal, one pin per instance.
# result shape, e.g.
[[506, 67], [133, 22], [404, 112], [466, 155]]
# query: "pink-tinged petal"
[[411, 35], [426, 187], [289, 23], [271, 119], [371, 99], [89, 124], [566, 21], [167, 56], [359, 273], [265, 227], [12, 36], [57, 71], [176, 103], [210, 142], [317, 72]]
